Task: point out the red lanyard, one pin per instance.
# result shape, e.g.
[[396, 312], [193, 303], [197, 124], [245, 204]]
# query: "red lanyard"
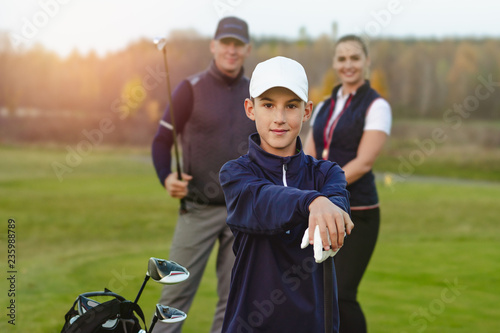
[[328, 134]]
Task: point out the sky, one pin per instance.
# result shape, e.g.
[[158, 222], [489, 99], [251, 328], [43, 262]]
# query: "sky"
[[110, 25]]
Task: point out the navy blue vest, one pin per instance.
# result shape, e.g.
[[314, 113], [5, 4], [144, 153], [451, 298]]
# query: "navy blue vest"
[[217, 132], [345, 140]]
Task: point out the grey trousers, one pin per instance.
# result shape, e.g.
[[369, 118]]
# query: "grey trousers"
[[194, 238]]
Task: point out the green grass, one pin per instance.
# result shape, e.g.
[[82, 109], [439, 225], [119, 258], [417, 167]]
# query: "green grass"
[[455, 162], [98, 227], [468, 152], [435, 235]]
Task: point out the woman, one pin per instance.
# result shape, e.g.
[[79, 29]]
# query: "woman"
[[350, 128]]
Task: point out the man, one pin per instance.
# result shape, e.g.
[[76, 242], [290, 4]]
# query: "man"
[[210, 118]]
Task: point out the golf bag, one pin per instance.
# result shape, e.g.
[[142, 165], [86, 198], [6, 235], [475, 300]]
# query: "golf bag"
[[115, 315]]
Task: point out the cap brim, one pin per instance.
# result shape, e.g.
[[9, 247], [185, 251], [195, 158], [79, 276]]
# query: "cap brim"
[[238, 37], [257, 91]]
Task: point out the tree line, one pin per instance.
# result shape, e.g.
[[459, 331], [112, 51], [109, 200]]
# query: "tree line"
[[421, 78]]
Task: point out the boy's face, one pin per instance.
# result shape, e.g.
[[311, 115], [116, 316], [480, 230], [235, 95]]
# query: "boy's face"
[[278, 114]]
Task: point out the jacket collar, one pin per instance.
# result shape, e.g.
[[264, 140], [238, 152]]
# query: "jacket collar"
[[272, 162], [215, 72], [360, 91]]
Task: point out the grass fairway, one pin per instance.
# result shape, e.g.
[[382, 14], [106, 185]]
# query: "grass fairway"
[[436, 267]]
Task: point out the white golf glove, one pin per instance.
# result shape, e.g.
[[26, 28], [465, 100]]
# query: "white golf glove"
[[319, 254]]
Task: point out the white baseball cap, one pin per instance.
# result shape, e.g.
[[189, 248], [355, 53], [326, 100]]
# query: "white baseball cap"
[[279, 72]]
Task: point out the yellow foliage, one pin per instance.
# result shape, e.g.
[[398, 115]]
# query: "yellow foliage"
[[133, 95], [318, 94], [153, 110], [378, 81]]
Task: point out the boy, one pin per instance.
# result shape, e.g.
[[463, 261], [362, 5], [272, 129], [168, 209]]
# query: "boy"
[[275, 194]]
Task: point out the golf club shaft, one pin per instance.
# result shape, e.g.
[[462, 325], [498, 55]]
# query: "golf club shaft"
[[142, 288], [328, 296], [174, 132], [155, 319]]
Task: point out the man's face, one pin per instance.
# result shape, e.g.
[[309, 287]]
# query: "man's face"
[[229, 55], [278, 114]]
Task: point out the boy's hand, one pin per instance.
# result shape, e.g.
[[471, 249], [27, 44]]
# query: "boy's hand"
[[175, 187], [331, 221]]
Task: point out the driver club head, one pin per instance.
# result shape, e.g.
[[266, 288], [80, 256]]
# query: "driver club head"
[[166, 272], [160, 43], [167, 314]]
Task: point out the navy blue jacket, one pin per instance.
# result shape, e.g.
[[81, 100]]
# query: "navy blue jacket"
[[275, 285]]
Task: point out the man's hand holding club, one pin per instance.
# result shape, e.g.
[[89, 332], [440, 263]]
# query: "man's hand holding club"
[[177, 188]]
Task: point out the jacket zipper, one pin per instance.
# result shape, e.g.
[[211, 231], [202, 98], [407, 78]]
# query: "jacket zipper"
[[285, 167]]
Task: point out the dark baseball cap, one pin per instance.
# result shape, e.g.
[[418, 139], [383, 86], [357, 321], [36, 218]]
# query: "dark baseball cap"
[[232, 27]]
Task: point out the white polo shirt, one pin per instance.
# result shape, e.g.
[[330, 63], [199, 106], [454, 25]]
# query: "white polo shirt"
[[378, 116]]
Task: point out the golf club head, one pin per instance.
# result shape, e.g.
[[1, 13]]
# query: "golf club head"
[[166, 272], [160, 43], [84, 304], [167, 314]]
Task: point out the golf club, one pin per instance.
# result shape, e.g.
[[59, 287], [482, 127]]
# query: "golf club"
[[161, 44], [164, 272], [167, 315], [328, 296]]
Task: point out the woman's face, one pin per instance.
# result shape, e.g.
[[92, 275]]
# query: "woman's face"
[[350, 63]]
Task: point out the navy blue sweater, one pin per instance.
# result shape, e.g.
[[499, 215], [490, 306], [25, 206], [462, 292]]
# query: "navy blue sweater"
[[275, 285]]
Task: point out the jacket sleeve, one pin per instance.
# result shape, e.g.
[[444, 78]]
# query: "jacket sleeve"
[[182, 99], [257, 206], [334, 187]]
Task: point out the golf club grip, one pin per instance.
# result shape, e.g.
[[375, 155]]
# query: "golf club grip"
[[328, 293], [182, 209]]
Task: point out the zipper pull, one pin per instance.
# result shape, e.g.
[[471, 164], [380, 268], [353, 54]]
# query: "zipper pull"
[[285, 167]]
